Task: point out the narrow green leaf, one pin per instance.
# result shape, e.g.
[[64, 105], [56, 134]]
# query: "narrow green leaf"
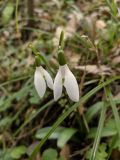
[[115, 111], [41, 133], [7, 12], [34, 115], [93, 110], [98, 134]]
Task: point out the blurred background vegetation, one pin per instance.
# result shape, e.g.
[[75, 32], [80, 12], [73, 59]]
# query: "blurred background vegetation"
[[92, 49]]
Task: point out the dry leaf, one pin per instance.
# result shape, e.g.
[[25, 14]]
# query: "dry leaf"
[[65, 152], [30, 60], [94, 69], [117, 96], [100, 24], [116, 60]]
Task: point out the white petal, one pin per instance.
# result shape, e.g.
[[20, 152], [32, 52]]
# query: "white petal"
[[48, 79], [71, 85], [39, 82], [57, 86]]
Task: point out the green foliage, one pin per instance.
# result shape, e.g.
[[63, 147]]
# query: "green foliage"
[[107, 131], [34, 98], [63, 135], [50, 154], [13, 154], [7, 12], [5, 154], [17, 152], [101, 153], [113, 8]]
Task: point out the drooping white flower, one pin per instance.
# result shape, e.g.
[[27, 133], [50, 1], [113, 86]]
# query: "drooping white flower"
[[41, 79], [65, 78]]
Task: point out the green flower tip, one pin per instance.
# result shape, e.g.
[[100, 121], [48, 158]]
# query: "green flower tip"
[[37, 61], [61, 40], [61, 58]]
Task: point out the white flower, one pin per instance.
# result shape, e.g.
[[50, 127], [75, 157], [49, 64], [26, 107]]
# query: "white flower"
[[65, 78], [41, 78]]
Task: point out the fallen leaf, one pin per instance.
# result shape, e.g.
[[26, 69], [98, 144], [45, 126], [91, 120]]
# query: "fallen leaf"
[[65, 152], [100, 24], [116, 60], [94, 69], [116, 97]]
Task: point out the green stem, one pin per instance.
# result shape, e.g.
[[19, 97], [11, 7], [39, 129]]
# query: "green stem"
[[16, 16], [15, 80], [41, 57]]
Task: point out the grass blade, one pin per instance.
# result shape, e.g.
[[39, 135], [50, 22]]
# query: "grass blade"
[[98, 134], [115, 111], [33, 116]]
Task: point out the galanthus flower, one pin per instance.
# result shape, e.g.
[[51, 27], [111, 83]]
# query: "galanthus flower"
[[66, 78], [42, 79]]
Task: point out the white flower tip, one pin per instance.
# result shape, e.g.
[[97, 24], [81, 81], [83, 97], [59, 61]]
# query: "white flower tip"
[[39, 83], [57, 86], [56, 98], [48, 78], [71, 85], [75, 99]]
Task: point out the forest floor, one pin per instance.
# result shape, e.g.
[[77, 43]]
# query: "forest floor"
[[87, 130]]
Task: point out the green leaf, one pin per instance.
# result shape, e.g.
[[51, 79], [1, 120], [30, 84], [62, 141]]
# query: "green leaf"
[[109, 130], [101, 153], [17, 152], [65, 136], [50, 154], [5, 155], [7, 13], [93, 110], [61, 133], [34, 99], [5, 121], [43, 132], [61, 158], [117, 145], [106, 132]]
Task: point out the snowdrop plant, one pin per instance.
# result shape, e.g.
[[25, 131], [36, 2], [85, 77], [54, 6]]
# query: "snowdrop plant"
[[42, 78], [65, 77]]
